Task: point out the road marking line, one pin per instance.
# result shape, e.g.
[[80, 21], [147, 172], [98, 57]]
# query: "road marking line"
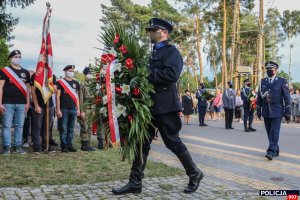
[[197, 138], [222, 174]]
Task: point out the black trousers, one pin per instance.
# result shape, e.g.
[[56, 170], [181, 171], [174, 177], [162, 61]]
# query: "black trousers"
[[248, 116], [228, 117], [28, 123], [202, 113], [38, 129], [169, 126]]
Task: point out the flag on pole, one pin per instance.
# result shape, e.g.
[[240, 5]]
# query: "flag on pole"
[[43, 78]]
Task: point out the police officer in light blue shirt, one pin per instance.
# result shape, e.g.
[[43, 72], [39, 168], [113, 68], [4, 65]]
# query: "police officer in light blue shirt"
[[273, 102]]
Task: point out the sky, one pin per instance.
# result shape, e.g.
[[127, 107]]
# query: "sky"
[[75, 27]]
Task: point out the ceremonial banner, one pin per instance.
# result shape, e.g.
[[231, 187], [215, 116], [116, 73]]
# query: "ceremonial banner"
[[43, 78]]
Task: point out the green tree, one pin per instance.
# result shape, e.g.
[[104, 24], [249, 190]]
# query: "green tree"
[[7, 21], [3, 53], [290, 22], [275, 34]]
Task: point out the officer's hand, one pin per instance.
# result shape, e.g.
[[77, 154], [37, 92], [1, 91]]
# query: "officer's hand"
[[180, 114], [82, 115], [287, 118], [2, 109], [38, 109], [59, 114], [78, 112]]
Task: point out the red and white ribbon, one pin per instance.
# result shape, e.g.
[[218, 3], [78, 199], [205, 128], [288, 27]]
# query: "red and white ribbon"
[[15, 79], [111, 103], [71, 92]]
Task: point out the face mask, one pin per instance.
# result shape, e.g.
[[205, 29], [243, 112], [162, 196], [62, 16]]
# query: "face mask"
[[248, 84], [155, 36], [270, 73], [16, 61], [69, 74], [230, 86], [88, 76]]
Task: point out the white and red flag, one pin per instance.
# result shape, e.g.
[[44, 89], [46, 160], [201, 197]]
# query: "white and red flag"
[[43, 78]]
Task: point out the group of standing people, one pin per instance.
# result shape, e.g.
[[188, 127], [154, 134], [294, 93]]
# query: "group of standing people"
[[21, 102], [273, 101], [234, 103]]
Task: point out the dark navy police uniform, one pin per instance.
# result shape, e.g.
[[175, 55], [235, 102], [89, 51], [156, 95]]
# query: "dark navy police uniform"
[[273, 103], [248, 112], [165, 65], [202, 104]]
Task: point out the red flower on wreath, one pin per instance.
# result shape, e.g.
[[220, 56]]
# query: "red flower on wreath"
[[97, 77], [98, 100], [123, 49], [129, 63], [129, 118], [106, 58], [136, 91], [117, 38]]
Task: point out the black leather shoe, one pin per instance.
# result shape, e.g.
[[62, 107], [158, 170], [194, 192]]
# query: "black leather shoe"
[[247, 130], [72, 149], [194, 183], [64, 150], [276, 154], [231, 127], [128, 188], [204, 124], [252, 129], [200, 124], [269, 156], [92, 148], [85, 148]]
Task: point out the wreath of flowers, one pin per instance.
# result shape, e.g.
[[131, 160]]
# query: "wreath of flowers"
[[132, 89]]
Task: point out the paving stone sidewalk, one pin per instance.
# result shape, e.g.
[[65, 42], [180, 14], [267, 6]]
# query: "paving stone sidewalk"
[[153, 188]]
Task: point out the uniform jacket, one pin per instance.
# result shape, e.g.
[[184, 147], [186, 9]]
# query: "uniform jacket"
[[202, 102], [245, 92], [165, 65], [228, 98], [274, 99]]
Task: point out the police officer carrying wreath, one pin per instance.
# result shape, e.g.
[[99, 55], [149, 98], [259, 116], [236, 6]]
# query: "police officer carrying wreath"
[[202, 103], [165, 65], [273, 103], [248, 111]]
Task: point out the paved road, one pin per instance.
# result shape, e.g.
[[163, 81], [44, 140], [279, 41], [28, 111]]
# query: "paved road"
[[237, 158], [233, 163]]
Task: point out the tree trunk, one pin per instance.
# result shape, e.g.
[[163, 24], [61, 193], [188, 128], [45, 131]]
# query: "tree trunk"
[[290, 61], [233, 40], [215, 68], [260, 36], [198, 43], [224, 65], [236, 80], [190, 63]]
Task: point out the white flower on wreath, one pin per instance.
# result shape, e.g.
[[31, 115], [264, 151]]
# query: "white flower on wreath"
[[103, 111], [125, 89], [104, 100], [120, 110], [112, 51], [118, 67]]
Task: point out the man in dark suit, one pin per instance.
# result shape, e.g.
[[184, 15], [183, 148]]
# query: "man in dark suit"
[[273, 102], [248, 111], [165, 65], [202, 104]]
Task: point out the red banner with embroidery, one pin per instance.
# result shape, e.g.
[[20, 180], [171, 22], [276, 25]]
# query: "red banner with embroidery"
[[15, 80], [43, 78], [71, 92]]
